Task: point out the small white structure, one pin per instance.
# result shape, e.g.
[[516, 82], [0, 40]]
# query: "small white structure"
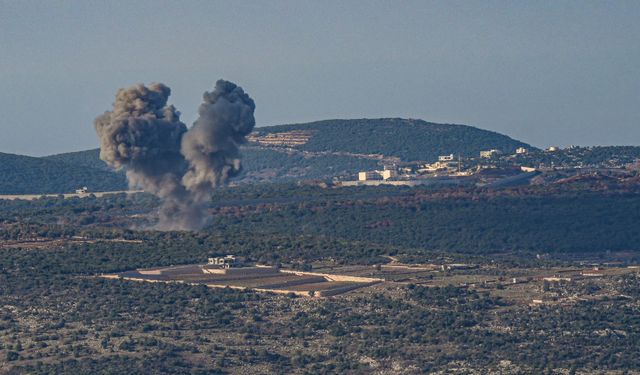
[[389, 173], [556, 279], [552, 149], [83, 190], [521, 150], [224, 262], [445, 163], [489, 153]]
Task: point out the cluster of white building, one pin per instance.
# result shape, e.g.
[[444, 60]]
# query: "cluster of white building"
[[448, 164]]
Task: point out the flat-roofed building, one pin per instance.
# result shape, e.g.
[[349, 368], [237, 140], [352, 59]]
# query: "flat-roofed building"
[[386, 174], [489, 153], [369, 176], [224, 262]]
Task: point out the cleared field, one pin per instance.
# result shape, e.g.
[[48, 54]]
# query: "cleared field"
[[257, 278], [522, 286]]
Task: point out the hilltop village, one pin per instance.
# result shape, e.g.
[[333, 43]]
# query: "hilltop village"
[[491, 167]]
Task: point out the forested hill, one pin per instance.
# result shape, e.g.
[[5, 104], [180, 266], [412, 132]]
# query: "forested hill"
[[29, 175], [88, 159], [407, 139]]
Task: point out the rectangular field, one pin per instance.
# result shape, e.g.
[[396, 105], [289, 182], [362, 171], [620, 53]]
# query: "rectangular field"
[[257, 278]]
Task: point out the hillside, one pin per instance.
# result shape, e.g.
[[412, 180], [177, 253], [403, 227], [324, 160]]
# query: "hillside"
[[407, 139], [260, 163], [87, 159], [30, 175]]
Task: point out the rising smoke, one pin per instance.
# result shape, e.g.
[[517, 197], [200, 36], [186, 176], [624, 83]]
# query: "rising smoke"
[[211, 145], [145, 136]]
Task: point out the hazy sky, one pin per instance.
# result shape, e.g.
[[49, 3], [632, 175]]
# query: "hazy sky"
[[554, 72]]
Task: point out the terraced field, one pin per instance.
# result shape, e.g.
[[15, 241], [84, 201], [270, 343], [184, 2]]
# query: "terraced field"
[[266, 279]]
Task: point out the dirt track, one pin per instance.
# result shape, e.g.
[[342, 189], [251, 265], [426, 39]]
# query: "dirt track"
[[30, 197]]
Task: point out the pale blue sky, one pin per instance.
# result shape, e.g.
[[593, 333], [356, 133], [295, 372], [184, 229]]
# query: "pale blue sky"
[[544, 72]]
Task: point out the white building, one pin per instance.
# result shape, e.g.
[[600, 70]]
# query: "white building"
[[521, 150], [445, 157], [489, 153], [388, 173], [385, 174], [224, 262], [448, 165]]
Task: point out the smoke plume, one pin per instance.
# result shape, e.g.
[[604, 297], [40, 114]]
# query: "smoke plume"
[[211, 145], [145, 136]]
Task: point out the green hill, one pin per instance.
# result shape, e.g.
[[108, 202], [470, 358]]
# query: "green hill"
[[407, 139], [87, 159], [30, 175]]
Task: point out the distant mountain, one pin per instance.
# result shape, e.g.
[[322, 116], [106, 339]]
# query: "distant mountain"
[[406, 139], [29, 175], [315, 150]]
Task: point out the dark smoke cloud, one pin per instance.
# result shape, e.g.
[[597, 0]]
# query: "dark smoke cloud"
[[145, 136], [211, 145]]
